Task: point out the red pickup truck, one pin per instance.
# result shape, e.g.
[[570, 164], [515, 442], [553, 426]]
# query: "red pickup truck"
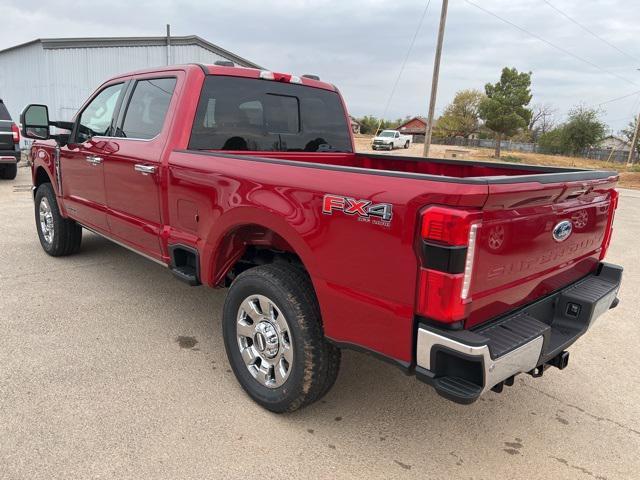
[[463, 273]]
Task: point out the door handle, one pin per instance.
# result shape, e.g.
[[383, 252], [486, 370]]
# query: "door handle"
[[145, 169], [93, 160]]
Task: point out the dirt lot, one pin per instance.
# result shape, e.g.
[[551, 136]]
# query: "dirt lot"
[[629, 177], [110, 368]]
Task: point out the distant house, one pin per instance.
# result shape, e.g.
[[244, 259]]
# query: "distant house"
[[355, 124], [615, 143], [416, 127]]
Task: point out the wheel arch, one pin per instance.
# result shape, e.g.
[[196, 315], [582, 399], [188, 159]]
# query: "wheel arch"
[[40, 176], [251, 243]]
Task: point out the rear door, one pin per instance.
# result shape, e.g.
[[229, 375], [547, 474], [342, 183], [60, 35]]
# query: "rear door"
[[133, 172], [536, 238], [82, 160]]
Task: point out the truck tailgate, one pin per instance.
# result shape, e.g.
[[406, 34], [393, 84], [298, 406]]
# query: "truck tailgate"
[[536, 238]]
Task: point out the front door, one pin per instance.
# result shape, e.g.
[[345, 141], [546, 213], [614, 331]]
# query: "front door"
[[82, 160]]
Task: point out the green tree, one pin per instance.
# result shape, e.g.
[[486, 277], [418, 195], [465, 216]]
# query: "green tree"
[[552, 141], [582, 129], [460, 117], [504, 110], [628, 134], [369, 124]]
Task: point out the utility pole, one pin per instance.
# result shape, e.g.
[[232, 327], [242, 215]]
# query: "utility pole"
[[434, 80], [168, 44], [633, 143]]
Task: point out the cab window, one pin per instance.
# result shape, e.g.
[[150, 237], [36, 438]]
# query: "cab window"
[[254, 115], [95, 119], [147, 108]]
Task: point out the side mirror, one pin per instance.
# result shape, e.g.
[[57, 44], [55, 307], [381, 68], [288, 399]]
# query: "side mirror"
[[35, 122]]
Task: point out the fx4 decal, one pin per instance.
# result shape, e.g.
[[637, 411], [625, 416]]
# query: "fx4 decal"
[[379, 213]]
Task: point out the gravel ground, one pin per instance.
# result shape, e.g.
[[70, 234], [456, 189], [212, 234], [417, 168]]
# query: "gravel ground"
[[111, 368]]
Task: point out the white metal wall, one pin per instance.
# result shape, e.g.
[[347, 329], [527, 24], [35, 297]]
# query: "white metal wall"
[[64, 78]]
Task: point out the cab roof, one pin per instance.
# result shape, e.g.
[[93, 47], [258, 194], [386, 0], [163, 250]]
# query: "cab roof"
[[236, 71]]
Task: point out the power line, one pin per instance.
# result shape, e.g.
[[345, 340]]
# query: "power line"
[[404, 63], [622, 97], [553, 45], [591, 32]]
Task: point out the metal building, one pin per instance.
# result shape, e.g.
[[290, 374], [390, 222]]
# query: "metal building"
[[63, 72]]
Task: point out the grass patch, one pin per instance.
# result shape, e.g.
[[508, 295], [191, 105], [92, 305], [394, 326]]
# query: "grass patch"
[[511, 159]]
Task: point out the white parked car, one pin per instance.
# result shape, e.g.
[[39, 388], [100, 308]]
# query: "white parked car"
[[390, 139]]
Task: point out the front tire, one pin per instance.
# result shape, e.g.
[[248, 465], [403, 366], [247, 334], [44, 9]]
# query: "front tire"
[[59, 236], [9, 171], [274, 338]]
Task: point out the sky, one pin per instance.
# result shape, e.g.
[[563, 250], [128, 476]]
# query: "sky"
[[360, 45]]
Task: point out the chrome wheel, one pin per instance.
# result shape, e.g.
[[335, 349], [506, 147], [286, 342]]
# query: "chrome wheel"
[[46, 220], [264, 340]]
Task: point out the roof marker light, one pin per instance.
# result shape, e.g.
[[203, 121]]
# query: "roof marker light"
[[295, 79], [266, 75]]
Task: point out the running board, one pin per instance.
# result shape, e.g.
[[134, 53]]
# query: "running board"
[[185, 264], [187, 274]]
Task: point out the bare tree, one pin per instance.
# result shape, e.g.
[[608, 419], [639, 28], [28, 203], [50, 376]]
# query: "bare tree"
[[542, 120]]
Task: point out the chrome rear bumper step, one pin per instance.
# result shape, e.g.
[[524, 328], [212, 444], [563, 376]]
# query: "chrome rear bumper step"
[[461, 365]]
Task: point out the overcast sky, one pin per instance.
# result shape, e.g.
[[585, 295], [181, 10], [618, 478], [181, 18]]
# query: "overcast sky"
[[360, 45]]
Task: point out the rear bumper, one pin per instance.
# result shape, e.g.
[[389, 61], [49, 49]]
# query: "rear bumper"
[[462, 365], [9, 156]]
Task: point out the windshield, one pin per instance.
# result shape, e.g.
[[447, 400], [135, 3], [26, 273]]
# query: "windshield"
[[257, 115], [387, 133]]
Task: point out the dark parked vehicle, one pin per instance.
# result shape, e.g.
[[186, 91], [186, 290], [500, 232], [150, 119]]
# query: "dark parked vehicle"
[[9, 145]]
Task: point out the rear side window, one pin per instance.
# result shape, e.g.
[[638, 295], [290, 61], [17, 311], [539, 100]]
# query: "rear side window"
[[147, 108], [261, 115], [4, 113]]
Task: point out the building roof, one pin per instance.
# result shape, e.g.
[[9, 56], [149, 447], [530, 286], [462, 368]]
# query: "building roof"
[[97, 42], [419, 118], [354, 120], [414, 130], [614, 137]]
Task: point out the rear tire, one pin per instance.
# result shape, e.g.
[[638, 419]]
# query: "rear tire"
[[406, 144], [59, 236], [274, 339], [9, 171]]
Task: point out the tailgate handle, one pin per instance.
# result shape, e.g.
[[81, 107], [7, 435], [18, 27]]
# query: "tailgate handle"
[[578, 193]]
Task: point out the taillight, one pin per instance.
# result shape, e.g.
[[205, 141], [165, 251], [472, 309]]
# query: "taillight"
[[447, 250], [16, 133], [613, 205]]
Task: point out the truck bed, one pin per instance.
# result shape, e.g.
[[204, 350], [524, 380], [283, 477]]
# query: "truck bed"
[[462, 171], [516, 258]]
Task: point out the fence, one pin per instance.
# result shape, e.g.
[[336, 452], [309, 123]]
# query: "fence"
[[617, 156]]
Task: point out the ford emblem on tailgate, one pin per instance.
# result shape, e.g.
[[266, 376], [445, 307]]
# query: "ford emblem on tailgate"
[[562, 231]]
